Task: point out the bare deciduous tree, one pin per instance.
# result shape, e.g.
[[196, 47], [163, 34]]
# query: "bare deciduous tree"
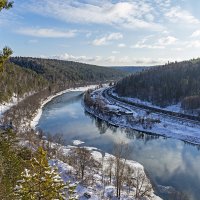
[[121, 152], [142, 184]]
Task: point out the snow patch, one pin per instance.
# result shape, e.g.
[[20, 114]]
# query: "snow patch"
[[77, 142]]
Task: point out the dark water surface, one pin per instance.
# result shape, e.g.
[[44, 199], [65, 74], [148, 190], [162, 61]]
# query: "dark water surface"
[[169, 162]]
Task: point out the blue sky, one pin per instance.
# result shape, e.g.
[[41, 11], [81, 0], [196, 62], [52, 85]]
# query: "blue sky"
[[104, 32]]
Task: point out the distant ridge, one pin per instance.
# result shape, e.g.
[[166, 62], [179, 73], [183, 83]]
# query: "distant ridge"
[[166, 84], [131, 69], [65, 72]]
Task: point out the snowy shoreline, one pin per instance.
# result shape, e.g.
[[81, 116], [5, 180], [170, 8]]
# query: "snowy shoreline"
[[97, 154], [130, 117], [38, 113], [96, 190]]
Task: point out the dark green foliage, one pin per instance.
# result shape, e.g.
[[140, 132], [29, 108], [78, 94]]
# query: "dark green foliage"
[[131, 69], [4, 55], [18, 81], [163, 85], [65, 72], [12, 162], [7, 52], [5, 4], [40, 181]]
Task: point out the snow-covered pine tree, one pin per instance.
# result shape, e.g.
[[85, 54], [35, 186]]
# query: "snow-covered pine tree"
[[41, 182]]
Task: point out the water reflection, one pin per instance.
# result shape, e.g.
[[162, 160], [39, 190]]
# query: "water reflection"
[[168, 161]]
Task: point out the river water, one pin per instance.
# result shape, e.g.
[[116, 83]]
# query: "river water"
[[169, 162]]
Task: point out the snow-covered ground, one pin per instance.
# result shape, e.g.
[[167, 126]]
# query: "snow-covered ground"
[[99, 190], [7, 105], [174, 108], [161, 124], [14, 100]]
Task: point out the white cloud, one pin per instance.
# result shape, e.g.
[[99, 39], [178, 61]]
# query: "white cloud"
[[106, 39], [47, 33], [130, 14], [115, 52], [176, 14], [121, 45], [110, 60], [196, 33], [167, 40], [193, 44], [126, 60], [151, 42], [146, 42], [82, 58], [147, 46]]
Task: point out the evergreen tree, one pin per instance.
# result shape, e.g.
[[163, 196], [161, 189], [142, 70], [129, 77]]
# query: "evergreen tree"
[[4, 55], [11, 164], [42, 182], [5, 4], [7, 52]]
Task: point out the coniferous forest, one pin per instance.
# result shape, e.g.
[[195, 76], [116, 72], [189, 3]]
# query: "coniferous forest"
[[59, 71], [23, 75], [165, 85]]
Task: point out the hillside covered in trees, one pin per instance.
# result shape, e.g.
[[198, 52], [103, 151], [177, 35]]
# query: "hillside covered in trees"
[[62, 72], [131, 69], [165, 85], [29, 75], [18, 81]]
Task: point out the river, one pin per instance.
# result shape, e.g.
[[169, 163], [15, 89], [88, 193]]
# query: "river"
[[169, 162]]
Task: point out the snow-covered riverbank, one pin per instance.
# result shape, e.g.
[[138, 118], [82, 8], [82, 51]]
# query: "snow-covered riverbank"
[[97, 189], [101, 187], [38, 113], [124, 115]]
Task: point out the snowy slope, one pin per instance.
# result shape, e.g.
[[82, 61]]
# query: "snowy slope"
[[97, 190]]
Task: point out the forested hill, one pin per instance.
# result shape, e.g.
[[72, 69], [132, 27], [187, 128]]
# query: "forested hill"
[[165, 85], [23, 75], [18, 81], [63, 72], [131, 69]]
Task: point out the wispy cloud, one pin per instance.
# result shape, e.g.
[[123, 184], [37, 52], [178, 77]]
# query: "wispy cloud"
[[129, 14], [47, 33], [192, 44], [115, 52], [112, 60], [196, 33], [106, 39], [167, 40], [177, 14], [121, 45], [82, 58], [152, 42]]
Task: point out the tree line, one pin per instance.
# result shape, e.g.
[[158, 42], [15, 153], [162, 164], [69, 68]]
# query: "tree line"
[[21, 76], [60, 71], [165, 85], [16, 81]]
